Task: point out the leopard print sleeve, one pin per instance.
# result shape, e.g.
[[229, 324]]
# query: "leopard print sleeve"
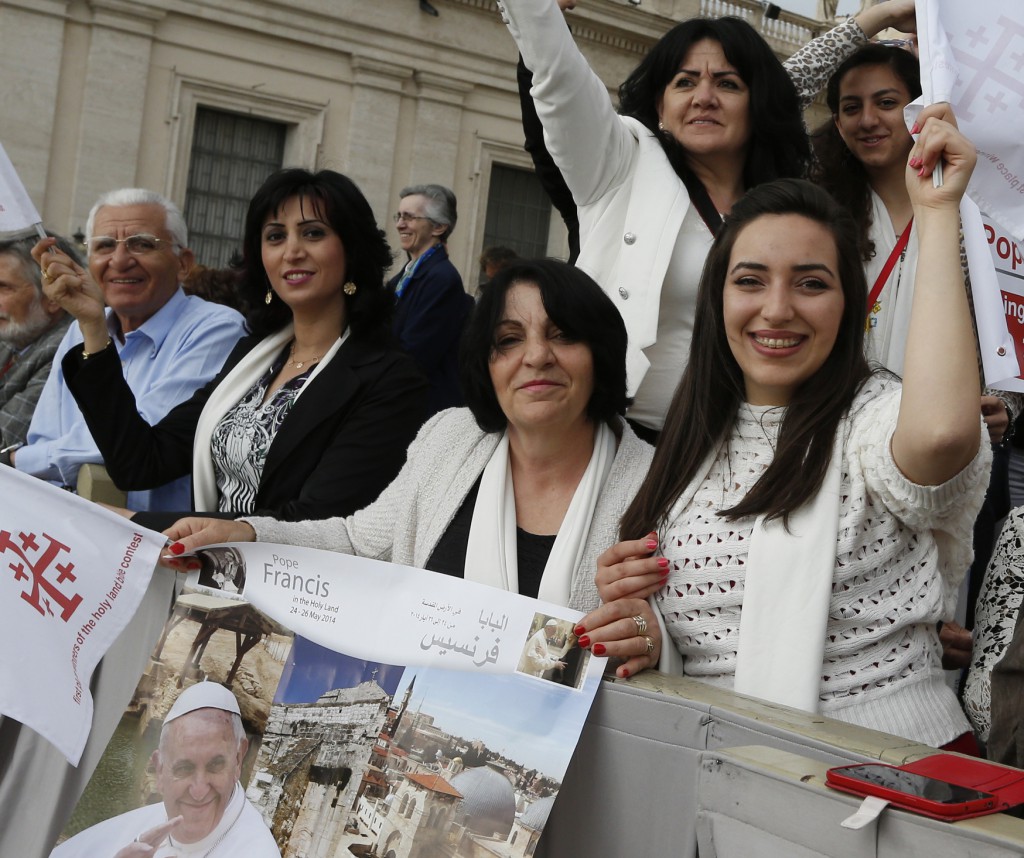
[[812, 66]]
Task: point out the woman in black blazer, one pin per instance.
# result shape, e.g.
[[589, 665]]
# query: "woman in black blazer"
[[311, 414]]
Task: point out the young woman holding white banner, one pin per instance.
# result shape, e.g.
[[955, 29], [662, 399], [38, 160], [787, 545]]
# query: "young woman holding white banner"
[[861, 152], [816, 516]]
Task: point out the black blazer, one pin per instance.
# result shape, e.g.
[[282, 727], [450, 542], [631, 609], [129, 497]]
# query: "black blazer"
[[341, 444]]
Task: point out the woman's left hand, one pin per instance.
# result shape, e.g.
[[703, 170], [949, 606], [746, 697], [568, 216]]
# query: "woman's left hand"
[[625, 629], [189, 534], [939, 140]]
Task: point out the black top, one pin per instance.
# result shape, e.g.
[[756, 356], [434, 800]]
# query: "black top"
[[449, 555]]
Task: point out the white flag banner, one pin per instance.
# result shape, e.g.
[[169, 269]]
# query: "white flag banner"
[[17, 213], [73, 574], [997, 286], [972, 55]]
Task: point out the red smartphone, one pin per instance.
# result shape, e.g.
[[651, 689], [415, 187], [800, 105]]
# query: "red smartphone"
[[910, 790]]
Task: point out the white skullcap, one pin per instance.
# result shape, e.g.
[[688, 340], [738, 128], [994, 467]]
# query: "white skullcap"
[[203, 695], [551, 622]]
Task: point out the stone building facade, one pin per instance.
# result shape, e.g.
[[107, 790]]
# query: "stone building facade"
[[311, 764], [200, 99]]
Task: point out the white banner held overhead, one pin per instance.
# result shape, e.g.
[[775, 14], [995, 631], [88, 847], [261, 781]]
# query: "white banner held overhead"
[[72, 575], [972, 55], [1000, 315], [17, 214]]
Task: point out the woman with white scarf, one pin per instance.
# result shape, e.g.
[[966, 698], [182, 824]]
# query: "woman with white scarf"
[[311, 414], [524, 488], [813, 517]]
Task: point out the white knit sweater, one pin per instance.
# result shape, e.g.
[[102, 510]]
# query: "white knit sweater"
[[901, 552], [448, 456]]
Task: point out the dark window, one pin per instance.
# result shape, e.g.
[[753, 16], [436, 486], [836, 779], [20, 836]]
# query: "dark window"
[[231, 157], [518, 212]]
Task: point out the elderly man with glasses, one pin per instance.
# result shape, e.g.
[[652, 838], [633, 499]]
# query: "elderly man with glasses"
[[169, 344], [431, 306]]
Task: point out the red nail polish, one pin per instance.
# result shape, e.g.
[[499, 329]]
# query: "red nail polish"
[[652, 544], [916, 129], [177, 548], [598, 649], [663, 562], [579, 630], [584, 641], [623, 673]]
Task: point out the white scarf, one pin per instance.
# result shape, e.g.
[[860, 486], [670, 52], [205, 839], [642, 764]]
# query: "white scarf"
[[786, 595], [491, 553], [886, 340], [226, 395]]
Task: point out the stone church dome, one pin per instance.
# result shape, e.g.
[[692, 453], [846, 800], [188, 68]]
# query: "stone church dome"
[[489, 806], [536, 815]]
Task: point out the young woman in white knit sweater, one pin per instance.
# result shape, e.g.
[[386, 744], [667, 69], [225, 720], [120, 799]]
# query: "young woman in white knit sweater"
[[813, 520]]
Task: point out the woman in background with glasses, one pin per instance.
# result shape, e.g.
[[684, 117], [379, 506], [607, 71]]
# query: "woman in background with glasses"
[[431, 305], [312, 412]]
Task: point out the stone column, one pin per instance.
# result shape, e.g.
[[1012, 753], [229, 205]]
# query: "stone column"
[[439, 109], [31, 44], [373, 129], [113, 100]]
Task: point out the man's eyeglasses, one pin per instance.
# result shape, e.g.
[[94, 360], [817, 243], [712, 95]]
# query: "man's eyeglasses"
[[136, 245], [398, 217]]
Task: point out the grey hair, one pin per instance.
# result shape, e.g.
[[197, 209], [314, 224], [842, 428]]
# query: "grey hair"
[[237, 730], [174, 221], [20, 249], [441, 208]]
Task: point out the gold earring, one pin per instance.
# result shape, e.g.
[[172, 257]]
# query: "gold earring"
[[349, 288], [270, 294], [661, 125]]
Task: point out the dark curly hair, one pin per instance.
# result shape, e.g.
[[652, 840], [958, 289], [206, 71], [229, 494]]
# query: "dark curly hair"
[[778, 143], [835, 168], [581, 310], [338, 202]]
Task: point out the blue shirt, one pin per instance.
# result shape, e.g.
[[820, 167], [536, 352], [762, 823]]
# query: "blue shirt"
[[172, 354]]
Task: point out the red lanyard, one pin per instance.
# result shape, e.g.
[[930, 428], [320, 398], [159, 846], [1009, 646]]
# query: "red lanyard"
[[883, 275]]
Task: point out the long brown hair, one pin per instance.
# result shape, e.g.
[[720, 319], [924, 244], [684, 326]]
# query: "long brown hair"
[[705, 404]]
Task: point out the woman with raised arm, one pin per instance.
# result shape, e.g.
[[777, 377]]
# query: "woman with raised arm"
[[708, 113], [815, 516], [861, 154], [311, 414]]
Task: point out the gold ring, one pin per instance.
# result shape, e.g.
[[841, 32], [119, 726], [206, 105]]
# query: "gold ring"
[[641, 624], [650, 644]]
